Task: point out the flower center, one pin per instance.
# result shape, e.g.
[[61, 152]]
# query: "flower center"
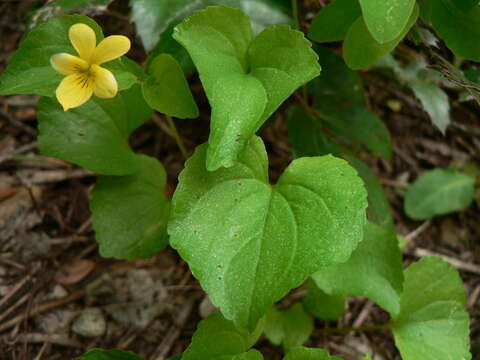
[[85, 78]]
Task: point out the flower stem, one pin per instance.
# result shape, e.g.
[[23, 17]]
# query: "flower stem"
[[180, 145]]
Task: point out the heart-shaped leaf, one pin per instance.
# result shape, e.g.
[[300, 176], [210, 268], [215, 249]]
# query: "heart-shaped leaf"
[[374, 270], [333, 21], [245, 78], [218, 338], [360, 49], [307, 136], [249, 242], [386, 19], [130, 212], [94, 135], [166, 89], [29, 71], [435, 325]]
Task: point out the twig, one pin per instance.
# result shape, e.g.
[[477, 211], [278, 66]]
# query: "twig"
[[57, 339], [412, 235], [459, 264], [175, 331], [42, 350], [18, 151], [18, 123], [363, 314], [14, 290], [85, 226], [41, 309], [53, 176], [12, 308]]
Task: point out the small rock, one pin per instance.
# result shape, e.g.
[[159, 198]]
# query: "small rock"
[[56, 321], [90, 323], [58, 292], [206, 307]]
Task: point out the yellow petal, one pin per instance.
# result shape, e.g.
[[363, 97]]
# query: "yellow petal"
[[105, 83], [74, 90], [83, 40], [110, 48], [67, 64]]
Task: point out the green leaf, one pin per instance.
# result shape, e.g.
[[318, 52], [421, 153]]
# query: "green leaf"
[[338, 86], [115, 354], [166, 89], [357, 124], [306, 134], [386, 19], [289, 328], [439, 192], [93, 135], [464, 5], [458, 29], [29, 70], [360, 49], [248, 242], [308, 139], [322, 305], [128, 109], [435, 102], [168, 45], [250, 355], [262, 12], [435, 325], [153, 17], [339, 96], [303, 353], [378, 210], [333, 21], [218, 338], [130, 213], [374, 270], [245, 78]]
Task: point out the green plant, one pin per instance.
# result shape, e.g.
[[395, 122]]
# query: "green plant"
[[247, 241]]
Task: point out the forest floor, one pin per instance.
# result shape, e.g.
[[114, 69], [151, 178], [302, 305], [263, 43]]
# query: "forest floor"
[[54, 286]]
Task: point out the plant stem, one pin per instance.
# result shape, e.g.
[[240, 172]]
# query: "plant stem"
[[349, 329], [295, 14], [172, 126]]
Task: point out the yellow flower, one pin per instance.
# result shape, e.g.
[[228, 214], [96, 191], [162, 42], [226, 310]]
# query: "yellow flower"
[[85, 76]]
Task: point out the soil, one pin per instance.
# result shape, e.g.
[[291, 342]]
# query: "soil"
[[59, 297]]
